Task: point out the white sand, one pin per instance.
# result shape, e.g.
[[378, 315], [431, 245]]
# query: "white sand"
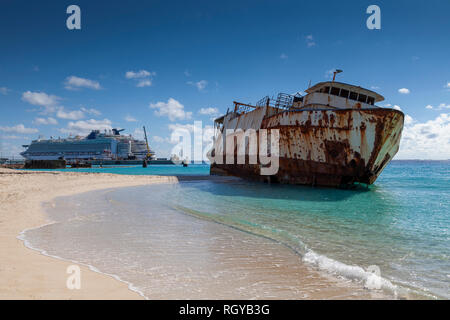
[[26, 274]]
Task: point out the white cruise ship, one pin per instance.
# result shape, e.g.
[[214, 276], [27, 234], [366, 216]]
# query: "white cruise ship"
[[107, 145]]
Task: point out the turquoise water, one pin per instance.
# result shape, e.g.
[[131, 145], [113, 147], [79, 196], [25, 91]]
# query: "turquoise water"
[[194, 169], [398, 228], [401, 224]]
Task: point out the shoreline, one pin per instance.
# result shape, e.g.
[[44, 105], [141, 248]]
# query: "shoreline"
[[92, 268], [256, 260], [27, 273]]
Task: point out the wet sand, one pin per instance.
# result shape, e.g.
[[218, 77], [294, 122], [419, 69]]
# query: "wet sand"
[[26, 274]]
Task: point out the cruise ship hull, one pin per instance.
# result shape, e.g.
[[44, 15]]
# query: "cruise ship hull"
[[331, 147]]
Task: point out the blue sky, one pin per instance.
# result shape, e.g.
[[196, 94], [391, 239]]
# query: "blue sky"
[[168, 63]]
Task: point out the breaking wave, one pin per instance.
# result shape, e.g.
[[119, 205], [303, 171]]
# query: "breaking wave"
[[369, 278]]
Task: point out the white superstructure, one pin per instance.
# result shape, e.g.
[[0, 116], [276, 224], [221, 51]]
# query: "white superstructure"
[[107, 145]]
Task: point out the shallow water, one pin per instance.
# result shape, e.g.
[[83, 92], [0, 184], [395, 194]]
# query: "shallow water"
[[165, 254], [159, 169], [175, 241]]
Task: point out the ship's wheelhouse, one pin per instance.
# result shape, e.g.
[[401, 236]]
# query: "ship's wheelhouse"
[[326, 95], [339, 95]]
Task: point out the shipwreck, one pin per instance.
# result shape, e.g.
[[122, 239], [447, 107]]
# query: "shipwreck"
[[333, 135]]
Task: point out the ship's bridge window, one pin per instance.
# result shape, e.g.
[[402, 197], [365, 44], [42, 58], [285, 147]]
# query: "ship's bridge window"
[[371, 100], [344, 93], [353, 95], [362, 98], [298, 99], [335, 91], [325, 90]]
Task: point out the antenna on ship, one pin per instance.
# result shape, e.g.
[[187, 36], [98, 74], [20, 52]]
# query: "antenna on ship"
[[336, 72]]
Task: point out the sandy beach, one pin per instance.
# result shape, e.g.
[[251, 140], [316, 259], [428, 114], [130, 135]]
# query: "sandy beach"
[[26, 274]]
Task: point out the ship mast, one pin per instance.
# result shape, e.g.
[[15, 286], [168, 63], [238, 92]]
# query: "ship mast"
[[148, 156], [335, 73]]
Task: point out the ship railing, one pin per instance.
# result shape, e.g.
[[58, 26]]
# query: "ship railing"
[[241, 108], [282, 101], [263, 102]]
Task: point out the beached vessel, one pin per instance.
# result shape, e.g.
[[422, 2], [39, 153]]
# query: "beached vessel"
[[334, 135]]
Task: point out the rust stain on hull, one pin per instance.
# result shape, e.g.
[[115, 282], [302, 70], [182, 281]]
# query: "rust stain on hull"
[[325, 147]]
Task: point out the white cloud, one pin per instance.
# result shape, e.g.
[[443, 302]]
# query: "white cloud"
[[187, 73], [12, 149], [92, 111], [177, 126], [83, 127], [138, 134], [442, 106], [45, 121], [426, 140], [188, 127], [374, 87], [20, 128], [159, 139], [13, 137], [201, 85], [329, 73], [144, 83], [283, 56], [48, 102], [396, 107], [447, 85], [310, 41], [173, 109], [74, 83], [409, 120], [139, 74], [129, 118], [208, 111], [4, 90], [180, 129], [404, 91], [69, 115], [143, 77]]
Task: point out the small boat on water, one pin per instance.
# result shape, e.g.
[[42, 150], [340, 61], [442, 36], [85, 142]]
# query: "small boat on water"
[[334, 136]]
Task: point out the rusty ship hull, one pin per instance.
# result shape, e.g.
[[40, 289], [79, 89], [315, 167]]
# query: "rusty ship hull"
[[319, 145], [326, 147]]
